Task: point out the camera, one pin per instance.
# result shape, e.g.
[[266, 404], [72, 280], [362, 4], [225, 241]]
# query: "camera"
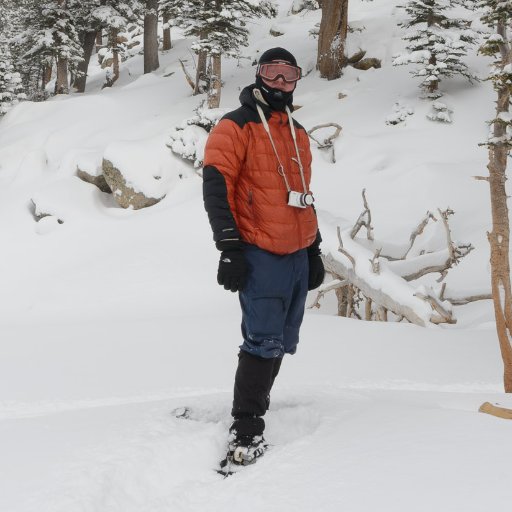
[[299, 200]]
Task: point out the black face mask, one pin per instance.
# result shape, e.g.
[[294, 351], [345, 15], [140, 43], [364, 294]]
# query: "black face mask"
[[278, 100]]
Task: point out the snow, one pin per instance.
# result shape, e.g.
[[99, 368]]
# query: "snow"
[[111, 318]]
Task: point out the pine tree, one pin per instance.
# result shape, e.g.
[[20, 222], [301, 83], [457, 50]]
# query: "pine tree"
[[169, 10], [13, 14], [88, 27], [115, 16], [437, 42], [11, 87], [498, 16], [220, 28], [51, 36]]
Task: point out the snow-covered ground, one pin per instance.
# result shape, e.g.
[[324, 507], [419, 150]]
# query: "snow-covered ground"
[[111, 318]]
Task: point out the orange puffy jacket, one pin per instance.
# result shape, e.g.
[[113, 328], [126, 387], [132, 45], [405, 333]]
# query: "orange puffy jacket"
[[245, 196]]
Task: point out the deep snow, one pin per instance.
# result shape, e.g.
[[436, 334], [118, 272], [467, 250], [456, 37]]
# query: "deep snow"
[[113, 318]]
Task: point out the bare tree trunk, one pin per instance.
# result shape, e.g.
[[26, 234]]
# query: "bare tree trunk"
[[99, 40], [167, 44], [332, 37], [88, 46], [202, 59], [151, 37], [115, 65], [342, 296], [214, 90], [61, 84], [500, 236], [433, 84], [112, 43], [46, 75]]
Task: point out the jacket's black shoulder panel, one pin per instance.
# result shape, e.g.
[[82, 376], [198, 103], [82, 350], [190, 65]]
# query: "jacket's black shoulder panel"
[[243, 115]]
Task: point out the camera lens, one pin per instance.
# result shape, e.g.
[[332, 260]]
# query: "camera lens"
[[308, 199]]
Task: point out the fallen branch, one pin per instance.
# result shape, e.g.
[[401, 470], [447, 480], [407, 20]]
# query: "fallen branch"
[[328, 142], [187, 76], [418, 231], [444, 315], [494, 410], [325, 288], [362, 222], [462, 301], [342, 250], [375, 262], [444, 217]]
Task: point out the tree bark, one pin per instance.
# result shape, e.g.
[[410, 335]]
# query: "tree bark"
[[433, 85], [214, 91], [332, 37], [88, 46], [500, 236], [112, 43], [61, 84], [202, 59], [46, 75], [151, 37], [99, 40], [167, 43]]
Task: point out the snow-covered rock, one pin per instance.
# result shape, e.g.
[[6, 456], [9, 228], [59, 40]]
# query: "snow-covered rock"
[[89, 169], [139, 172], [124, 194]]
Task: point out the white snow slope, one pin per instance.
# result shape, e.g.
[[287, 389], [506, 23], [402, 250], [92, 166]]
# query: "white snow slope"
[[112, 318]]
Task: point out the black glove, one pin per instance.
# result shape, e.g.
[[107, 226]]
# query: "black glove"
[[232, 273], [316, 265]]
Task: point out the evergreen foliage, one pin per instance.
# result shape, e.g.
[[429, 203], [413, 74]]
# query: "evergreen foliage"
[[170, 8], [498, 44], [52, 35], [13, 16], [116, 17], [220, 26], [436, 41], [11, 87]]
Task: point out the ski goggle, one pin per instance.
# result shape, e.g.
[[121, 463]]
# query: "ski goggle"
[[273, 70]]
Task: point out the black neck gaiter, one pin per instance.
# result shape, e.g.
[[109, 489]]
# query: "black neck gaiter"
[[278, 100]]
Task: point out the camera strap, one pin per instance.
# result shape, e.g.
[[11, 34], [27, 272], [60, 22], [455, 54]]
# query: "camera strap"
[[280, 168]]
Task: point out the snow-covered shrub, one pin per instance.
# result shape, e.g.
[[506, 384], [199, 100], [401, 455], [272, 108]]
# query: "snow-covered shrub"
[[189, 139], [304, 5], [440, 112], [400, 114]]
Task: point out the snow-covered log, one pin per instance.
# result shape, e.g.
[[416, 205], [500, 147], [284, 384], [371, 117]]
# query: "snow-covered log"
[[364, 275], [386, 289]]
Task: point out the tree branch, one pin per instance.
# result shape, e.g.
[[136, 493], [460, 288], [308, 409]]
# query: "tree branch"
[[361, 221], [187, 76]]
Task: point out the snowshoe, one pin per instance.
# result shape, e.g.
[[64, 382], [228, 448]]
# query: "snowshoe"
[[242, 451]]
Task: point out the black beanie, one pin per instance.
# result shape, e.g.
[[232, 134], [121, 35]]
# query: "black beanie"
[[277, 54]]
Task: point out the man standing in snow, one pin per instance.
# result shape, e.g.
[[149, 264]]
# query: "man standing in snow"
[[257, 170]]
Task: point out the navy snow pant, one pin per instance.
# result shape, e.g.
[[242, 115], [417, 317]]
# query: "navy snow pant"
[[272, 304]]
